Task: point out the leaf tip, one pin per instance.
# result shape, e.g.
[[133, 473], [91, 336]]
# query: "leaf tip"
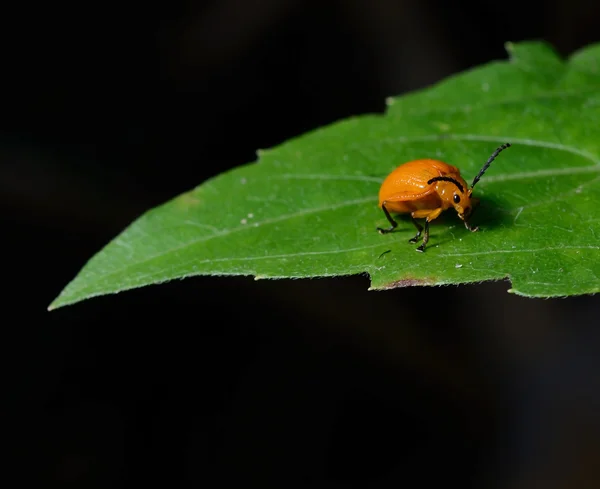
[[55, 304]]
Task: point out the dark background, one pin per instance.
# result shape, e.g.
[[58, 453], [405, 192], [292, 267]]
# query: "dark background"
[[111, 108]]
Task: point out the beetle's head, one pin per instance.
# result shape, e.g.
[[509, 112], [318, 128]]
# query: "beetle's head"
[[454, 192], [463, 204]]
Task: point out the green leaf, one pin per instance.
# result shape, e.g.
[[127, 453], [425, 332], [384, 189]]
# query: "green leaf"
[[308, 208]]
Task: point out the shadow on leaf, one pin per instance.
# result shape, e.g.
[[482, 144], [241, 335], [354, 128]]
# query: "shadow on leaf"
[[493, 212]]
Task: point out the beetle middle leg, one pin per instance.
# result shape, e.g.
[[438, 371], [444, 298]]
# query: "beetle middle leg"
[[419, 231], [425, 237], [390, 220], [429, 216]]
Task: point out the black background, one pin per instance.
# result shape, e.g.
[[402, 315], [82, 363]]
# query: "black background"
[[111, 108]]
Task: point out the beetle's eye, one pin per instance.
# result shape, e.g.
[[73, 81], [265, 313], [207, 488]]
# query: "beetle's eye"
[[456, 198]]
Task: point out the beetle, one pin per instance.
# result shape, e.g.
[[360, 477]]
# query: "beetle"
[[424, 189]]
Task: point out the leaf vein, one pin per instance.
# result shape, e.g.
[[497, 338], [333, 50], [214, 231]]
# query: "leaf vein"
[[186, 264], [537, 250], [497, 139]]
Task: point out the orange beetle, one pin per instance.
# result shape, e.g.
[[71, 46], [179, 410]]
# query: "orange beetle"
[[426, 188]]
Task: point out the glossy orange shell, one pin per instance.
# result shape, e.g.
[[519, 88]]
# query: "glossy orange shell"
[[406, 189]]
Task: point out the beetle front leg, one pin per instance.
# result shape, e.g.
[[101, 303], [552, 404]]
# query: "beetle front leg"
[[390, 220], [419, 231], [472, 229]]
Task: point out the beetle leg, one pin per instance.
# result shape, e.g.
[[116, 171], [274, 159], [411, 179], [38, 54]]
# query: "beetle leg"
[[390, 219], [425, 237], [472, 229], [419, 231], [429, 216]]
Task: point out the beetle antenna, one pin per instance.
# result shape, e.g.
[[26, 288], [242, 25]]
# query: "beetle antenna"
[[489, 162], [447, 179]]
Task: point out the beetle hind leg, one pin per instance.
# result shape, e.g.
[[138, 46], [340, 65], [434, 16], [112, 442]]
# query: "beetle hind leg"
[[390, 220], [419, 231]]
